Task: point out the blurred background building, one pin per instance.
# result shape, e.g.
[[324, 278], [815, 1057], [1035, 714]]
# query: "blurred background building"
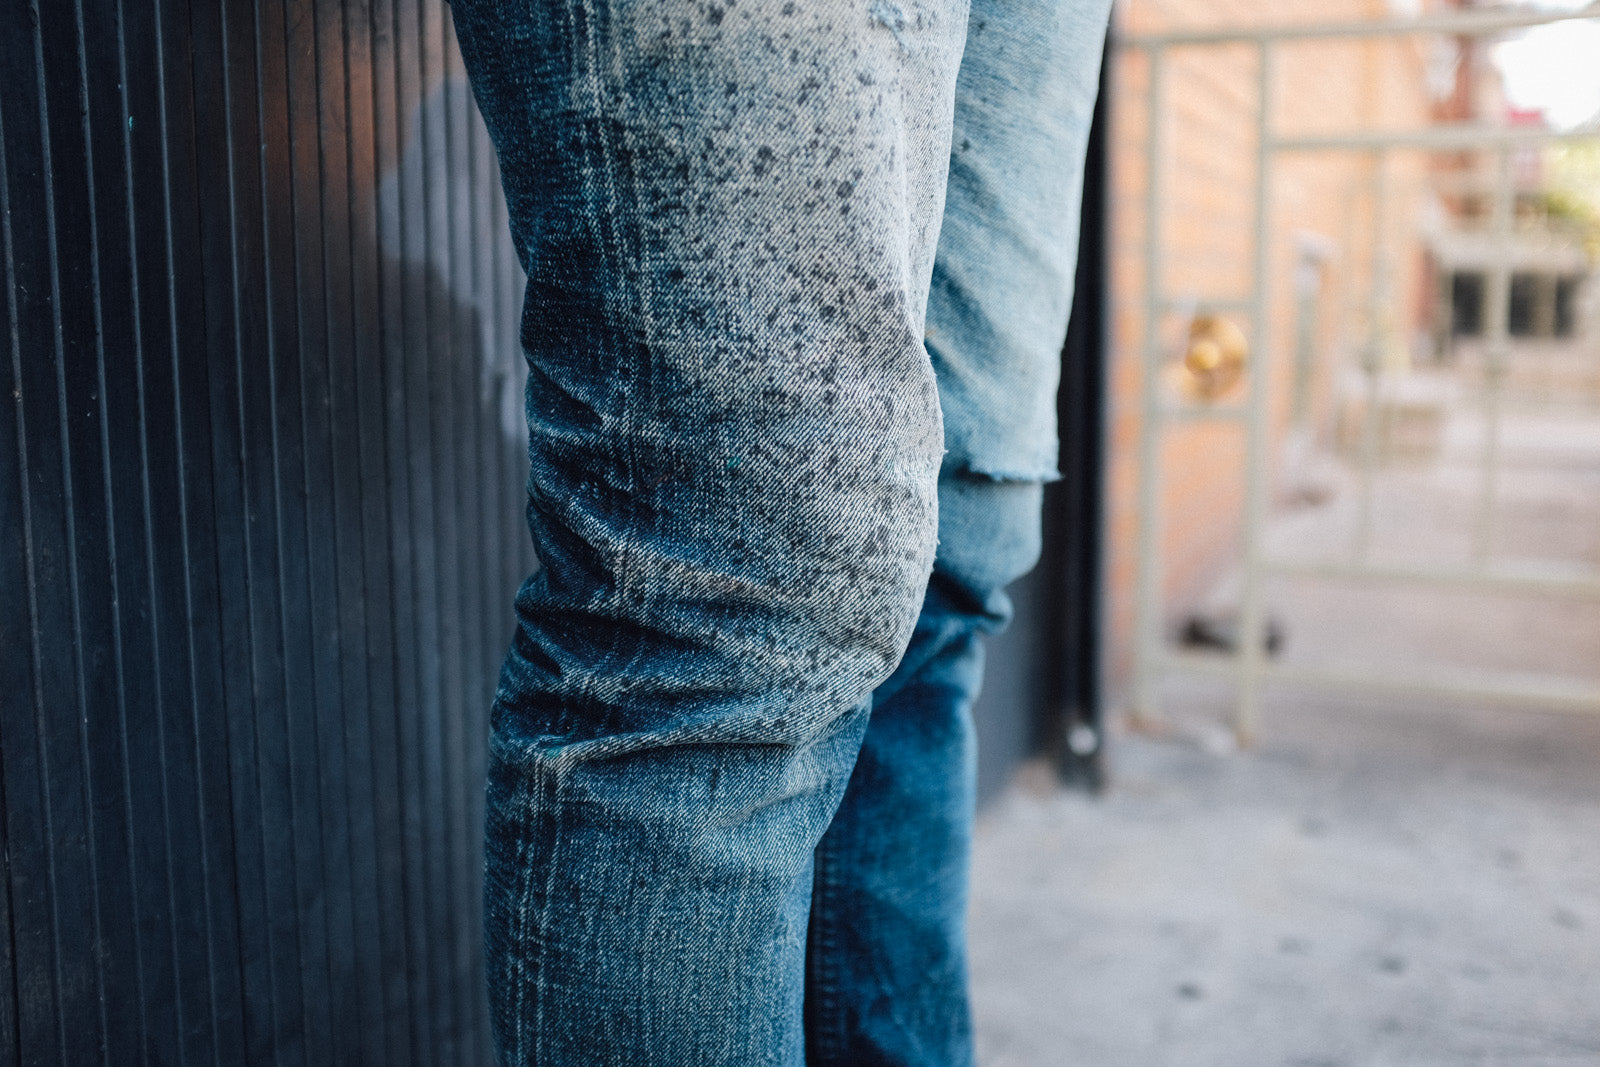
[[1402, 253], [1353, 493]]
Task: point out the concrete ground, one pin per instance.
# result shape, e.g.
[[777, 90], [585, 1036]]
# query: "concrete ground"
[[1376, 882]]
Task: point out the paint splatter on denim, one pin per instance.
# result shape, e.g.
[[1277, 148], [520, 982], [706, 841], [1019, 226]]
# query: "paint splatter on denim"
[[728, 212]]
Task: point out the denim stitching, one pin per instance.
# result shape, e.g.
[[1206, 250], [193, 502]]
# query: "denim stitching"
[[628, 249], [526, 800], [550, 794], [830, 1024], [598, 20]]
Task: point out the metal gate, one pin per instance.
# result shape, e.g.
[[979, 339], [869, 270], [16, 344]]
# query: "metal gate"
[[1446, 309]]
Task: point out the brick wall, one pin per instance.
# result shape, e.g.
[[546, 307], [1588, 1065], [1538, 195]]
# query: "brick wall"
[[1209, 187]]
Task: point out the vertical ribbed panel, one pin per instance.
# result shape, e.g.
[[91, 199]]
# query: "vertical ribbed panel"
[[261, 487]]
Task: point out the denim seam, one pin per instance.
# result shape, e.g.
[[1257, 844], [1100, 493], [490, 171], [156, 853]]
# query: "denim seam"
[[830, 1026], [550, 786], [538, 790], [521, 798], [610, 236], [628, 249], [598, 178]]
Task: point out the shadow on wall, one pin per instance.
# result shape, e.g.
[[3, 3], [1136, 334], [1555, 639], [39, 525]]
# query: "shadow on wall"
[[502, 369]]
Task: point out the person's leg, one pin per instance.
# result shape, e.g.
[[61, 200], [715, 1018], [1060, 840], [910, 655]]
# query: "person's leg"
[[888, 977], [727, 211], [888, 973]]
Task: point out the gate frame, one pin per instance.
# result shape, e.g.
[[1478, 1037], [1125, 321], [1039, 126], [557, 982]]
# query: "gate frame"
[[1248, 666]]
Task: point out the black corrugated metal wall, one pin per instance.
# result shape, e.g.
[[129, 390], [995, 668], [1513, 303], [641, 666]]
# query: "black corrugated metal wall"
[[261, 490], [260, 515]]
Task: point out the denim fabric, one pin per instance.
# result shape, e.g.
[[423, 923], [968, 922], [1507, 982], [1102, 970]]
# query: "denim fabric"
[[1002, 286], [729, 212], [888, 975]]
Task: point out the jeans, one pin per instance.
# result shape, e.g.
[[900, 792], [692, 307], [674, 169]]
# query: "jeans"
[[799, 271]]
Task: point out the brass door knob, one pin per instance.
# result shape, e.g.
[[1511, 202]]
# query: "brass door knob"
[[1214, 360]]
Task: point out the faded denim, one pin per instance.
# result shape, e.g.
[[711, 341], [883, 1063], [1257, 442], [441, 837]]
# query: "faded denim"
[[730, 788]]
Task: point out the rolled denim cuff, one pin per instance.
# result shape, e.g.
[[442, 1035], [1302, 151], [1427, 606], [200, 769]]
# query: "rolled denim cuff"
[[988, 531]]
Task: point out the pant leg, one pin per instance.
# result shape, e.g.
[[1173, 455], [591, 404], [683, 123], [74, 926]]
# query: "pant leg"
[[727, 211], [888, 975], [888, 971]]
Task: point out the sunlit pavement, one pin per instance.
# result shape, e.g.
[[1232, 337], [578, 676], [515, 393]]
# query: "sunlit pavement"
[[1364, 888], [1376, 882]]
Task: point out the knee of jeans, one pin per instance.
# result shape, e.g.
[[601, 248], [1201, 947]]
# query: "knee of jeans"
[[712, 579]]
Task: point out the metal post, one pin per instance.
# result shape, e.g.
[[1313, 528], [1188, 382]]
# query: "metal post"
[[1497, 297], [1251, 610], [1147, 644], [1249, 668], [1378, 298]]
